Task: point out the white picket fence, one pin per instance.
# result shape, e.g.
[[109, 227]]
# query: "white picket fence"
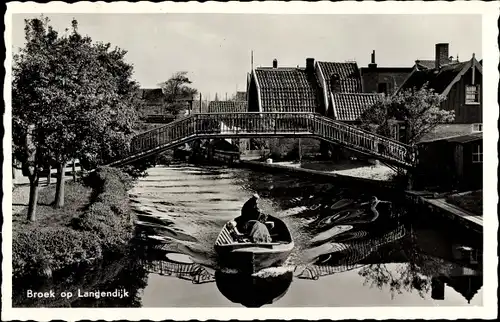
[[19, 178]]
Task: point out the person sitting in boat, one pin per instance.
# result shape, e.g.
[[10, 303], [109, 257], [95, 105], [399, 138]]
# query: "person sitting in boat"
[[249, 211], [257, 230], [237, 236]]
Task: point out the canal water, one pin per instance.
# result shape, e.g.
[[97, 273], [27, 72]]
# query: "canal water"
[[344, 254]]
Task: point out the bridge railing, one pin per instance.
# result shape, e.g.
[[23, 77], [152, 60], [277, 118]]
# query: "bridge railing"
[[277, 123], [365, 140]]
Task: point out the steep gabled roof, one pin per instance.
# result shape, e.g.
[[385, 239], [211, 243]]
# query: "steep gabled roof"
[[286, 89], [350, 106], [227, 106], [430, 63], [440, 80], [426, 64], [151, 95], [350, 77]]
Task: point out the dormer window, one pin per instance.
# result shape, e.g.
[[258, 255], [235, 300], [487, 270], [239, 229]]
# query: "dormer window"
[[472, 94], [383, 88]]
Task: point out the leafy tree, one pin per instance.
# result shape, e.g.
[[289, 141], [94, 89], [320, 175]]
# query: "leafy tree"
[[419, 109], [176, 88], [71, 99]]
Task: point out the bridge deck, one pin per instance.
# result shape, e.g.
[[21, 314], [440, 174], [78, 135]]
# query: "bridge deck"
[[249, 125]]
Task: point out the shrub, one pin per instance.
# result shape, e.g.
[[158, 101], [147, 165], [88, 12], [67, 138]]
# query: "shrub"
[[105, 227], [36, 250], [109, 216]]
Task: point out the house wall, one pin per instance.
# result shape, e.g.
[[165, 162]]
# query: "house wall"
[[448, 165], [372, 77], [471, 175], [455, 101], [435, 165]]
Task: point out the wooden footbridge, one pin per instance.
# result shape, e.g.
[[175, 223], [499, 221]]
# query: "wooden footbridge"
[[270, 124]]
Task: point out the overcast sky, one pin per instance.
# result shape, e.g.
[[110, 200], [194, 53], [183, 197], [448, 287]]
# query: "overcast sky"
[[215, 48]]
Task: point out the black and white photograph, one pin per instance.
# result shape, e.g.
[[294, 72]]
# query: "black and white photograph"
[[205, 157]]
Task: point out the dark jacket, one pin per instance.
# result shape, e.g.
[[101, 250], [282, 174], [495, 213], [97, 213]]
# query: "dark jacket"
[[250, 210]]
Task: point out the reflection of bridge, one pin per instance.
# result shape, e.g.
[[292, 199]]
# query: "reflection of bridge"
[[188, 271], [352, 253], [270, 124]]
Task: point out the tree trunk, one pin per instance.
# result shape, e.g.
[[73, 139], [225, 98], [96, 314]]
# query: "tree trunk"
[[300, 150], [74, 170], [59, 202], [33, 197], [49, 175]]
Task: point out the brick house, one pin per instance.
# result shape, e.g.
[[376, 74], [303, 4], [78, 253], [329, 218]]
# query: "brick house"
[[383, 79], [460, 83]]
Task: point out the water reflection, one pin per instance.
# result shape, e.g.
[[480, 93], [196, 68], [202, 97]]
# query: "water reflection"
[[335, 230], [409, 256], [253, 290]]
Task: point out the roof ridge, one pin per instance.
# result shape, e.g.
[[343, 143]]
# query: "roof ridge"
[[366, 94], [337, 62]]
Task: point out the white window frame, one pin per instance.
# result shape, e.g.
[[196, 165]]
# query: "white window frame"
[[477, 127], [477, 95], [477, 153]]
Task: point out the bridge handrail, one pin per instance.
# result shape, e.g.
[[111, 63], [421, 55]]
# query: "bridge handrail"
[[369, 141], [314, 123], [326, 119]]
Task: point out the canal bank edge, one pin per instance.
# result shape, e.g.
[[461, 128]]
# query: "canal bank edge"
[[356, 183], [380, 188], [105, 227], [440, 207]]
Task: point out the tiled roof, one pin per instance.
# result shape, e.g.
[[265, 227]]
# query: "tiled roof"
[[438, 80], [429, 63], [227, 106], [350, 106], [465, 138], [350, 78], [287, 89], [152, 95], [241, 96]]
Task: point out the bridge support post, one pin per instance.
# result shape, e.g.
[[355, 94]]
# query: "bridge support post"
[[409, 180]]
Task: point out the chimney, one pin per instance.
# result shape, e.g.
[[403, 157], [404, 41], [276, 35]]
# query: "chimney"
[[275, 63], [310, 64], [335, 83], [442, 55], [373, 64]]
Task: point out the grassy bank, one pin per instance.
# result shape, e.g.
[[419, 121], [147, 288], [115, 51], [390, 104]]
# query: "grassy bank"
[[94, 221]]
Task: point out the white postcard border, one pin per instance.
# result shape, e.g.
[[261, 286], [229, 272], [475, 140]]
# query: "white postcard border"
[[489, 12]]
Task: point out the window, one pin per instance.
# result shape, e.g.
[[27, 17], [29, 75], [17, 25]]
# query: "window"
[[472, 94], [382, 88], [477, 153], [477, 127]]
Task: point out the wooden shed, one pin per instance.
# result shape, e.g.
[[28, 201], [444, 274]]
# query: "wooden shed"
[[451, 163]]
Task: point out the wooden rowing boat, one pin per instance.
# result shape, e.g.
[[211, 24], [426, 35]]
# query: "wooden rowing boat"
[[252, 257]]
